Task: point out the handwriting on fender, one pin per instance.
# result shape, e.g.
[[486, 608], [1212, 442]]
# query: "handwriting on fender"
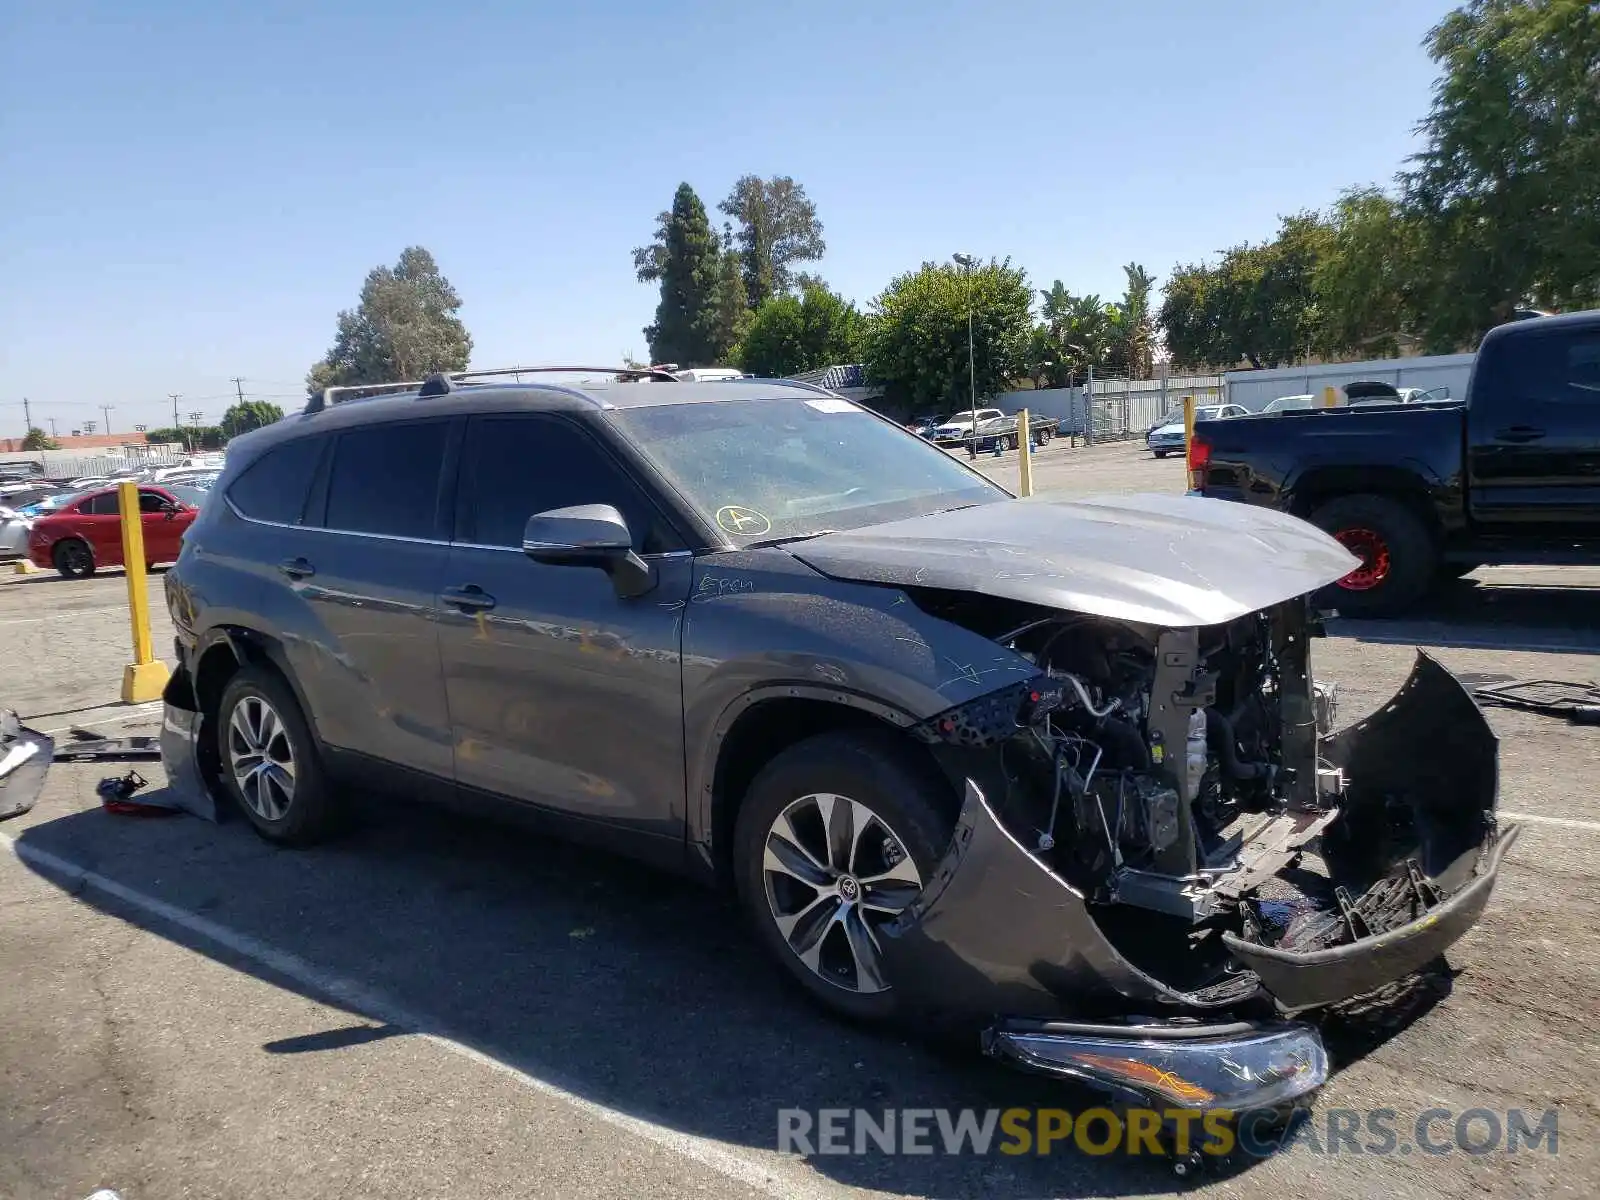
[[713, 587]]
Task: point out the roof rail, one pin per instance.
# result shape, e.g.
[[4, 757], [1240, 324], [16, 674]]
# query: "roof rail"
[[440, 382], [795, 383]]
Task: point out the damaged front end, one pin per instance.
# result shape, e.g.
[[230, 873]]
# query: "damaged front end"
[[1165, 863]]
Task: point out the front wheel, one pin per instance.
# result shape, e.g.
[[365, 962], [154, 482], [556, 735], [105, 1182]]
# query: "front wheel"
[[836, 836], [1160, 453], [1010, 442], [1397, 552]]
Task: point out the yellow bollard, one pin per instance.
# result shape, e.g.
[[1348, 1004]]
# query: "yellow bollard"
[[1188, 421], [146, 676], [1025, 463], [1330, 397]]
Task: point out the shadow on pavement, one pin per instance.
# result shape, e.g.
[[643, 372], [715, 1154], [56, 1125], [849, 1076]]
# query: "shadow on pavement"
[[1470, 614], [627, 987]]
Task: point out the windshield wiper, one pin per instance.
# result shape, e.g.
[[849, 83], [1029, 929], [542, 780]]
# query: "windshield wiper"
[[784, 541]]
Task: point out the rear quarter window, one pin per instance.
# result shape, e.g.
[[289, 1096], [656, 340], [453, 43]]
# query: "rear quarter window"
[[277, 485]]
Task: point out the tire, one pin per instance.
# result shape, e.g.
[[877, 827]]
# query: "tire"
[[73, 558], [1045, 435], [911, 814], [1399, 556], [1161, 453], [309, 812], [1010, 442]]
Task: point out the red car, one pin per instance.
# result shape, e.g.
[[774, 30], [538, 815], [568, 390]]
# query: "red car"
[[79, 538]]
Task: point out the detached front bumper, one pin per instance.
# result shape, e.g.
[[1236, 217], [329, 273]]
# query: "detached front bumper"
[[998, 939], [25, 757]]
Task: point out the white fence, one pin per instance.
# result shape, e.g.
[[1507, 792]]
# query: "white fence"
[[1257, 389], [1121, 408], [113, 460]]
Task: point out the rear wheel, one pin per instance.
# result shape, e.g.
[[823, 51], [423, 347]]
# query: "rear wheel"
[[1398, 555], [1160, 453], [835, 837], [1010, 442], [270, 761], [73, 558]]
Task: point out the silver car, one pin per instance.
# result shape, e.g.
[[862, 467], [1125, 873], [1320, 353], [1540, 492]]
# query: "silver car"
[[1167, 435]]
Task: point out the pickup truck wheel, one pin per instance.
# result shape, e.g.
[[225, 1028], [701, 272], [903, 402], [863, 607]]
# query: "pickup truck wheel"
[[835, 836], [1398, 556]]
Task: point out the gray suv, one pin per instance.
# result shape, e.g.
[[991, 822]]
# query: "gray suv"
[[1027, 766]]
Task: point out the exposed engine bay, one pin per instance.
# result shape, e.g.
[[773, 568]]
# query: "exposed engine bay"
[[1186, 786]]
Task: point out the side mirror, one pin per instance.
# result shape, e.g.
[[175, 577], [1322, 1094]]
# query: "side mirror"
[[589, 535]]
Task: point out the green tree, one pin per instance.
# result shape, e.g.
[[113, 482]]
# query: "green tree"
[[1504, 191], [1367, 282], [790, 334], [916, 337], [1135, 324], [778, 227], [687, 263], [38, 439], [1258, 303], [732, 317], [1082, 331], [405, 326], [249, 414]]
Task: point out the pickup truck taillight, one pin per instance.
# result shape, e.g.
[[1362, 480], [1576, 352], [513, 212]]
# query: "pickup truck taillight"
[[1199, 455]]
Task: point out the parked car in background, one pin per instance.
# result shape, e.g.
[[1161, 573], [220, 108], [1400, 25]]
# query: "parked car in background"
[[85, 534], [14, 529], [1166, 435], [1424, 492], [1291, 404], [956, 429]]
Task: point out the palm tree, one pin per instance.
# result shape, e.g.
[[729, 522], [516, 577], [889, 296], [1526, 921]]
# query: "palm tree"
[[1136, 331]]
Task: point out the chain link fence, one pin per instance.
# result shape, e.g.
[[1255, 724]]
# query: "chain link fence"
[[1121, 408], [70, 464]]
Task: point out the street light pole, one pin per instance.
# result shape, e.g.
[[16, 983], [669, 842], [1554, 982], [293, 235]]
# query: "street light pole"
[[966, 261]]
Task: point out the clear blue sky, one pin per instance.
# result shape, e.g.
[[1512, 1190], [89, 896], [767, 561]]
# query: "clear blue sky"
[[193, 190]]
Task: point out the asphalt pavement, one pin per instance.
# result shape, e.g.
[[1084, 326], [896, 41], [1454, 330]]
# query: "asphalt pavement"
[[434, 1007]]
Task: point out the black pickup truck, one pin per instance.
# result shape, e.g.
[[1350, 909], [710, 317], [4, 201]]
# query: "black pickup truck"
[[1430, 491]]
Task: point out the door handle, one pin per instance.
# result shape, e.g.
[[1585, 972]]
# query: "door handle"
[[296, 568], [469, 598], [1518, 433]]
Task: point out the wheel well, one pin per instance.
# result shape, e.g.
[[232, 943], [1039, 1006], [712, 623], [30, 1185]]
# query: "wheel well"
[[760, 733], [1306, 503], [219, 664]]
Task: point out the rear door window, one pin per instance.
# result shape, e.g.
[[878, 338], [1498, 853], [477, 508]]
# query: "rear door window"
[[275, 487], [385, 480], [515, 466], [152, 502], [103, 505]]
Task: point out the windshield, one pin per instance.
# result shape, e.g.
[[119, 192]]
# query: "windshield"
[[793, 466], [192, 496]]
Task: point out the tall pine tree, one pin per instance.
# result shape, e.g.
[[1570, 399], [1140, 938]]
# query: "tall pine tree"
[[687, 260]]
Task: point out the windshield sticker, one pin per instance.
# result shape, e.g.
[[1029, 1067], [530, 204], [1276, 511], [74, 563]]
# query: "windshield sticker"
[[744, 522], [832, 404]]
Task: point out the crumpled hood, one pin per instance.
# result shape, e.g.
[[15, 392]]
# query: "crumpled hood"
[[1164, 560]]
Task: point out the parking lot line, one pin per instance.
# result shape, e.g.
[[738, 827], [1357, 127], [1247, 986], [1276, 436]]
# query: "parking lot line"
[[1562, 822], [752, 1172], [118, 715]]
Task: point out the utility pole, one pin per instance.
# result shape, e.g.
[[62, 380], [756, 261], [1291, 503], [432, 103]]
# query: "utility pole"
[[176, 423], [239, 384], [52, 421], [27, 418], [106, 409]]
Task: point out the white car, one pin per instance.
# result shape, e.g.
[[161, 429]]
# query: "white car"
[[1166, 436], [957, 428], [14, 529], [1291, 404]]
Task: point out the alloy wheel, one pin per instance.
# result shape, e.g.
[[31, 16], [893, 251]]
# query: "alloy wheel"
[[1367, 545], [261, 758], [835, 872]]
